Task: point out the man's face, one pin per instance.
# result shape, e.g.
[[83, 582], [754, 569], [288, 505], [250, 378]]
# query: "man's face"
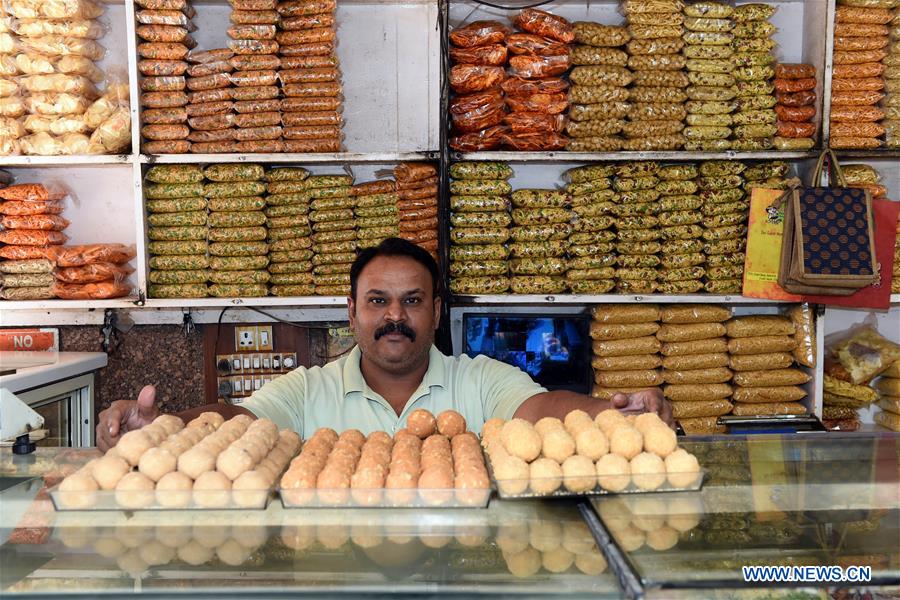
[[394, 314]]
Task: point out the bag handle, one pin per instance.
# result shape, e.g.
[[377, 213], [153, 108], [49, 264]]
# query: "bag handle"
[[792, 184], [834, 164]]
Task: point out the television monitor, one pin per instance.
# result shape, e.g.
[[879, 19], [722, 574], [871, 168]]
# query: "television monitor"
[[554, 349]]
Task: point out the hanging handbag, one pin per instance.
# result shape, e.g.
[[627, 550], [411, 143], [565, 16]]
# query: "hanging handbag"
[[828, 247]]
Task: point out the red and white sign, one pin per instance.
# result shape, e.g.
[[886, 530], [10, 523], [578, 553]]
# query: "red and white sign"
[[29, 340]]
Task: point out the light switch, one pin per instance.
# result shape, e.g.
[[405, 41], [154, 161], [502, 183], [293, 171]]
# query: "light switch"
[[264, 337]]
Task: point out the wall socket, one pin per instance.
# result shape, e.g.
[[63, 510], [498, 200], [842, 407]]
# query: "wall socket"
[[245, 338], [253, 337]]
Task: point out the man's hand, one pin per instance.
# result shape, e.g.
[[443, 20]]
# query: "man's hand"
[[649, 400], [560, 403], [126, 415]]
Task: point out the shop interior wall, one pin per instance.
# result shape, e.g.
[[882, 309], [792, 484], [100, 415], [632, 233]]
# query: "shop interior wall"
[[147, 354], [182, 364]]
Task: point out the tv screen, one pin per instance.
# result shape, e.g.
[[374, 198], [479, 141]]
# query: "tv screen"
[[554, 350]]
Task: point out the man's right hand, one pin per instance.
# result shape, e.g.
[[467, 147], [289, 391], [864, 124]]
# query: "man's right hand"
[[126, 415]]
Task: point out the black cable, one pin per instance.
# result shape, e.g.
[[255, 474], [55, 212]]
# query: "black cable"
[[504, 7], [326, 325], [218, 331]]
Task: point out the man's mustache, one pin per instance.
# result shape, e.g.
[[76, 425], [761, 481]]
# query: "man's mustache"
[[395, 328]]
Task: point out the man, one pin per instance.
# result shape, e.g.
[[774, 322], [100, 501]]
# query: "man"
[[394, 309]]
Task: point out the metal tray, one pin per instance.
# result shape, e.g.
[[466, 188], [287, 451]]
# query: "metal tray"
[[632, 486], [107, 500], [385, 498]]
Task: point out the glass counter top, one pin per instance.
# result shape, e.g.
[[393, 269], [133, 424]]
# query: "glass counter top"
[[817, 500], [768, 500], [533, 548]]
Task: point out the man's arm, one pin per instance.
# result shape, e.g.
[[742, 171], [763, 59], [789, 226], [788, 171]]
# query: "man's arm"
[[123, 416], [504, 387], [560, 403], [280, 400]]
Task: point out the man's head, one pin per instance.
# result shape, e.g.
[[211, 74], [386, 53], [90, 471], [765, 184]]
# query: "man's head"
[[394, 304]]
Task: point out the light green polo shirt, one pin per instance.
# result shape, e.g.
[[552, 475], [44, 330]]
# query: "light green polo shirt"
[[338, 396]]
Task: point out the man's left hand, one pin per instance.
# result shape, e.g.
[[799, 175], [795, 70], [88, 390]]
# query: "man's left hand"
[[649, 400]]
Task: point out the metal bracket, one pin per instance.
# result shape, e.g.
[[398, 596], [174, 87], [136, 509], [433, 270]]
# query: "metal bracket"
[[188, 327], [631, 584], [108, 329]]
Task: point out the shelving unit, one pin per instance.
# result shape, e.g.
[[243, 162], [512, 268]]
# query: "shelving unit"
[[42, 305], [394, 63], [89, 160], [285, 158], [519, 299], [395, 108], [588, 157], [273, 301], [389, 119]]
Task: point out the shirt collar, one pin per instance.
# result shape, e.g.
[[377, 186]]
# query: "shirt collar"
[[355, 382]]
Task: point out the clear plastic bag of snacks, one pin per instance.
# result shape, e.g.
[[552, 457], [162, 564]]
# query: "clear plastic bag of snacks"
[[479, 33], [542, 23], [854, 143], [527, 43], [54, 9], [490, 55], [599, 35], [850, 114], [534, 67]]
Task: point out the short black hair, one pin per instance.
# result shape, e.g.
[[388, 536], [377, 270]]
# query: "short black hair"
[[395, 246]]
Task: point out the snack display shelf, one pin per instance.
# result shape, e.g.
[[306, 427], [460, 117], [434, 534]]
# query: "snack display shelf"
[[54, 305], [879, 153], [610, 299], [677, 155], [225, 3], [261, 301], [326, 157], [66, 161]]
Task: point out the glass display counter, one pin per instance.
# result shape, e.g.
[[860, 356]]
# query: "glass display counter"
[[817, 500], [769, 500], [509, 548]]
